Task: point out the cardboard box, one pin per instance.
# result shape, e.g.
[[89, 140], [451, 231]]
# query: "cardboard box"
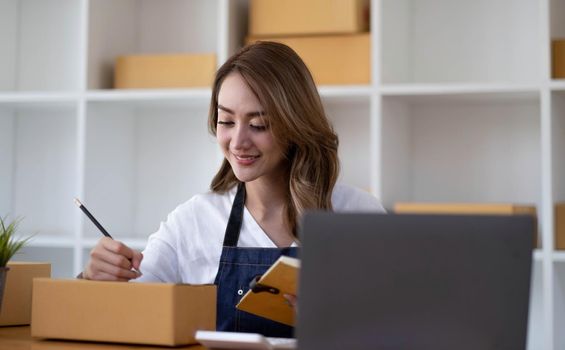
[[560, 226], [333, 59], [468, 209], [558, 59], [16, 306], [464, 208], [164, 71], [300, 17], [143, 313]]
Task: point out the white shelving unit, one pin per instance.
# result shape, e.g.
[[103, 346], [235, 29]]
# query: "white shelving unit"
[[461, 108]]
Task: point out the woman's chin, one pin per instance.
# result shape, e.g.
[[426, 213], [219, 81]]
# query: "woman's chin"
[[243, 176]]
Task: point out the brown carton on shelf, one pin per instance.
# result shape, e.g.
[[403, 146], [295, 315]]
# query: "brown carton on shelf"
[[164, 71], [558, 59], [299, 17], [560, 226], [333, 59], [16, 306], [467, 209], [143, 313]]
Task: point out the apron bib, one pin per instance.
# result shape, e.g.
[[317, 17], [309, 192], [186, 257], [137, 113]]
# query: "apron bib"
[[238, 266]]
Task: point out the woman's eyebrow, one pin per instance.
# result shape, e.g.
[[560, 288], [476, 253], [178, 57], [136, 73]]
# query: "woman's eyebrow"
[[250, 114], [225, 109]]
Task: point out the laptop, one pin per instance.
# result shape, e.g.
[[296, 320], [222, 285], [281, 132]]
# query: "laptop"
[[392, 282]]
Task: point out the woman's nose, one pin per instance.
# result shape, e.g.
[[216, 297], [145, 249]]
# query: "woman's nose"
[[240, 138]]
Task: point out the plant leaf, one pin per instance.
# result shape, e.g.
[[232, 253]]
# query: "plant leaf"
[[9, 245]]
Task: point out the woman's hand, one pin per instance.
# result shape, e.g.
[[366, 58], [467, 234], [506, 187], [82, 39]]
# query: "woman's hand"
[[112, 260], [292, 301]]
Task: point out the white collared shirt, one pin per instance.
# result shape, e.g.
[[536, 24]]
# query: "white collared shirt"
[[188, 245]]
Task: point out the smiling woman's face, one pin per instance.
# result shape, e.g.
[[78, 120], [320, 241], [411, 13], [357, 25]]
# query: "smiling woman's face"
[[243, 133]]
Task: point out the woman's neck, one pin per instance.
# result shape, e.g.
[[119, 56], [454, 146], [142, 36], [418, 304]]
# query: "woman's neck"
[[266, 202], [265, 197]]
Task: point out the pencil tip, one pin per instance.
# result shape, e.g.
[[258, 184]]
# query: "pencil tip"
[[77, 202]]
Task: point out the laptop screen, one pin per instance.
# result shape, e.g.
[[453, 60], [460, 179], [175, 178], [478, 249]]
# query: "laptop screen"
[[378, 281]]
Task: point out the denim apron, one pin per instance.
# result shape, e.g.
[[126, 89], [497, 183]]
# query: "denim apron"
[[238, 266]]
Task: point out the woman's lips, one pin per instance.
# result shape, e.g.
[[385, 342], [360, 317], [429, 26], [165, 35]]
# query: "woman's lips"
[[245, 159]]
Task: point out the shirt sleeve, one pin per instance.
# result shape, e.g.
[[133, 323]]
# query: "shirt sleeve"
[[160, 257], [187, 246], [351, 199]]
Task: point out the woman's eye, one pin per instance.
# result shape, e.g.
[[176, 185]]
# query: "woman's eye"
[[258, 127], [221, 122]]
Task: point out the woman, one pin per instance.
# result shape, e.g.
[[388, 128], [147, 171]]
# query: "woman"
[[280, 160]]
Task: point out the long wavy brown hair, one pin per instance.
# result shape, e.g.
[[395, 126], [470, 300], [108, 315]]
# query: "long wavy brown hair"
[[287, 92]]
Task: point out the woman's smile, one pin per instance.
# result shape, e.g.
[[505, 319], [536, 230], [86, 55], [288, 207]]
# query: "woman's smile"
[[245, 160]]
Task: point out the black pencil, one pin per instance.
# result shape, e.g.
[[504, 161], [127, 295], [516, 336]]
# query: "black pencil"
[[92, 218], [95, 222]]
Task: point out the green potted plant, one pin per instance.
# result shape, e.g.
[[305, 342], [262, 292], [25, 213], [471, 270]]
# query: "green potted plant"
[[9, 246]]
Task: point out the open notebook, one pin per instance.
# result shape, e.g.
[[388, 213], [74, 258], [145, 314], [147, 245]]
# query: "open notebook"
[[265, 298]]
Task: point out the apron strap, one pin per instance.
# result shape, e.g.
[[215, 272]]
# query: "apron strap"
[[236, 218]]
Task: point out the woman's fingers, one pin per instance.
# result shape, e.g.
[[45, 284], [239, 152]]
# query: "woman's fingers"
[[103, 276], [101, 254], [136, 260], [292, 300], [103, 268], [112, 261], [133, 257]]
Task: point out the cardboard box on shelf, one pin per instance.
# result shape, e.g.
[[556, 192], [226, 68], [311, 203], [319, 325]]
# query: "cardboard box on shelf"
[[299, 17], [332, 59], [16, 306], [560, 226], [164, 71], [464, 208], [558, 59], [468, 209], [143, 313]]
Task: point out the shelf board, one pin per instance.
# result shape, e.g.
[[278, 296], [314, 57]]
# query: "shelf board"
[[327, 91], [557, 85], [558, 256], [345, 92], [50, 241], [149, 95], [459, 89], [38, 97]]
